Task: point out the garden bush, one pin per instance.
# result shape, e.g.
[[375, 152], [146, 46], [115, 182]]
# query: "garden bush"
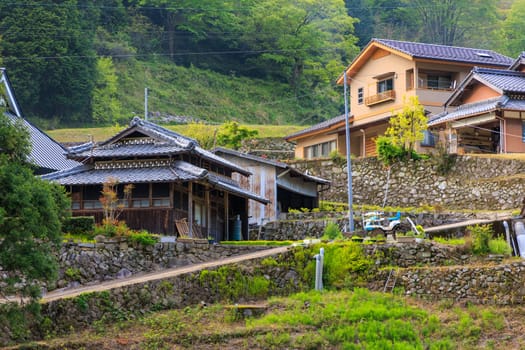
[[79, 225]]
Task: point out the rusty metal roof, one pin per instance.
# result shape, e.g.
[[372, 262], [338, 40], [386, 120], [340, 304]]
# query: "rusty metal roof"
[[283, 166]]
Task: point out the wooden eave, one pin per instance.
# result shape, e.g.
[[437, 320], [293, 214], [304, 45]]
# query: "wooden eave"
[[364, 56]]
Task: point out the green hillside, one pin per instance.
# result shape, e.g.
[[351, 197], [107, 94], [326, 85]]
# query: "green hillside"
[[213, 97]]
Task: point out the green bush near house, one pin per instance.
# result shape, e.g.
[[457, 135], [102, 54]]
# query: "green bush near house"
[[143, 237], [79, 225]]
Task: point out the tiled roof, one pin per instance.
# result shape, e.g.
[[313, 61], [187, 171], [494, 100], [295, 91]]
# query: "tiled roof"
[[158, 141], [272, 162], [126, 150], [476, 108], [448, 53], [320, 126], [90, 174], [518, 62], [505, 80], [179, 171]]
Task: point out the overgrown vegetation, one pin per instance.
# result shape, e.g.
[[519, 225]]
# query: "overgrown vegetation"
[[330, 320]]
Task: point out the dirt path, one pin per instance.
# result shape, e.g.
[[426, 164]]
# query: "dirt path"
[[69, 293]]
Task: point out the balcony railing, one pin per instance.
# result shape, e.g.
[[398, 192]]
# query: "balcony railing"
[[384, 96]]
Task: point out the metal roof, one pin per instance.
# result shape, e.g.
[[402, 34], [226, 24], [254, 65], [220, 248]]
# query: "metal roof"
[[229, 186], [448, 53], [271, 162]]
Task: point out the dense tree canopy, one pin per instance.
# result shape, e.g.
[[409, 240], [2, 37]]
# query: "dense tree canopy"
[[31, 212], [57, 51], [48, 50]]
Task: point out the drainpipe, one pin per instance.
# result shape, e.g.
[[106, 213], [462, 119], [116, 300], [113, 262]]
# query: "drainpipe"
[[502, 135], [364, 142]]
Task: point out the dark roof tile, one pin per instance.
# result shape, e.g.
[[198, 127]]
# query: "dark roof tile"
[[448, 53]]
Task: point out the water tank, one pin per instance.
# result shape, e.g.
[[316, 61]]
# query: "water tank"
[[237, 229]]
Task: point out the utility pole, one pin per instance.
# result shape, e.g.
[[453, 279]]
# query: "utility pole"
[[348, 158], [145, 103]]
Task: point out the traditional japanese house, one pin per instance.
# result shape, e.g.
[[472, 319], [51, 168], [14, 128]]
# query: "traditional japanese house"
[[173, 179]]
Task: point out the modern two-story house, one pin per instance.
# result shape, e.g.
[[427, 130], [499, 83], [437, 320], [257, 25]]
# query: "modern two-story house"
[[379, 78]]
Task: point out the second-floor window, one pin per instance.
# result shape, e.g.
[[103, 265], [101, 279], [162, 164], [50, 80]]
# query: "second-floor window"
[[385, 85], [360, 96], [439, 81]]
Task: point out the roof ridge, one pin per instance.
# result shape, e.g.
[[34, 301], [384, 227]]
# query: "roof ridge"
[[437, 45], [498, 71]]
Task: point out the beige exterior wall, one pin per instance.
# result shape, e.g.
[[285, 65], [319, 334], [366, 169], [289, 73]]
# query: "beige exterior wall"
[[313, 140], [377, 65]]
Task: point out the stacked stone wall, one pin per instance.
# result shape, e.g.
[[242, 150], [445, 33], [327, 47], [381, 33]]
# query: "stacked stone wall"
[[473, 182], [83, 263]]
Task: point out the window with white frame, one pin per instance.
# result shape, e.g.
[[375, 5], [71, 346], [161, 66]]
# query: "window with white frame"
[[385, 85]]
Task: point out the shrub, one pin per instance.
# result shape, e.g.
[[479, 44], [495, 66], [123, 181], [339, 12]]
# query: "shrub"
[[332, 231], [78, 225], [481, 235], [387, 152], [143, 237], [499, 246]]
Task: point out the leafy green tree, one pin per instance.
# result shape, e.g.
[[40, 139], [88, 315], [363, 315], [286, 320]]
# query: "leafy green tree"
[[407, 126], [31, 212], [305, 42], [106, 106], [231, 134], [448, 22], [48, 51], [512, 31]]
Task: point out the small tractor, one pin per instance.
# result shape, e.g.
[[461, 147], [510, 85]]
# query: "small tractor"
[[375, 223]]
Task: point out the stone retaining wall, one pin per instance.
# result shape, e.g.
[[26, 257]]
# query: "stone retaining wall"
[[298, 226], [502, 284], [235, 283], [473, 182], [82, 263]]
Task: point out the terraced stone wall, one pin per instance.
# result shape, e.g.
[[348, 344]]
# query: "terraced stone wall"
[[473, 182]]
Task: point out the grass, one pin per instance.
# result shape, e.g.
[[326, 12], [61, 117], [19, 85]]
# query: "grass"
[[103, 133], [357, 319]]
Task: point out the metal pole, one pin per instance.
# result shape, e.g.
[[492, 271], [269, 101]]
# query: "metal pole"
[[348, 158], [146, 103]]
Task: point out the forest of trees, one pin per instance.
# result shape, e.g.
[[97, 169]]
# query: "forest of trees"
[[63, 56]]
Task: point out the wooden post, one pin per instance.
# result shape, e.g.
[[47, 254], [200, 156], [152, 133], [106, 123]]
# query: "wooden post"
[[226, 216], [208, 212], [190, 208]]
